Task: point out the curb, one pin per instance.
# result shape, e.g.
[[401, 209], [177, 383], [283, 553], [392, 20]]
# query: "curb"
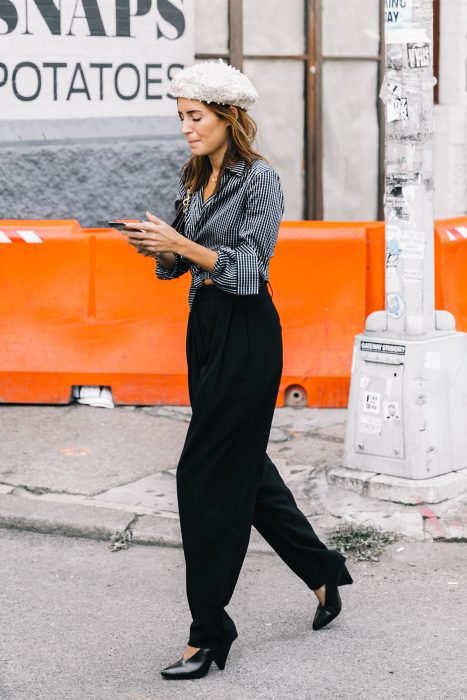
[[425, 509], [96, 522], [71, 519], [398, 489]]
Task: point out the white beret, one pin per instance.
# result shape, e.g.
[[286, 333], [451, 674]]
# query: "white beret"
[[215, 81]]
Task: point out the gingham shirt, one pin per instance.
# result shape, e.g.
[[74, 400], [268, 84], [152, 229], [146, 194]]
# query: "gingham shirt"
[[240, 222]]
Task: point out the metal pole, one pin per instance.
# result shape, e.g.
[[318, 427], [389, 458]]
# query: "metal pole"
[[408, 393], [409, 202]]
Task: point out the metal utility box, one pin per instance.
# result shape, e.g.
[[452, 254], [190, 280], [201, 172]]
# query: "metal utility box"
[[408, 406]]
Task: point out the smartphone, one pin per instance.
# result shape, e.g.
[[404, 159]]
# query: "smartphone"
[[121, 225]]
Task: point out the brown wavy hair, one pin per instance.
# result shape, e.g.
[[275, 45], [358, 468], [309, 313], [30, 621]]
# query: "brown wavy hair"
[[197, 171]]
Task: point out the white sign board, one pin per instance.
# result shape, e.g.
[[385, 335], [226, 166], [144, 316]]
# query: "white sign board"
[[92, 58], [398, 14]]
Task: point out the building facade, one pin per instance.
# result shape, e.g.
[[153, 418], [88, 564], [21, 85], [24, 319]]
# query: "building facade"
[[104, 142]]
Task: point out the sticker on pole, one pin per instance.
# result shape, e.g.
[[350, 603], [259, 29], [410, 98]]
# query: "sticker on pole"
[[395, 182], [403, 242], [371, 402], [395, 305], [370, 425], [419, 55], [390, 348], [398, 14], [391, 411], [413, 244], [413, 276], [394, 56], [398, 110]]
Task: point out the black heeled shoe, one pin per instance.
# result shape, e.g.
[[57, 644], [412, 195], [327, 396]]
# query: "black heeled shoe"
[[332, 601], [199, 664]]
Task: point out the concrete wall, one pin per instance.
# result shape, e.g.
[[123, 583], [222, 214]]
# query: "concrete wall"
[[90, 170]]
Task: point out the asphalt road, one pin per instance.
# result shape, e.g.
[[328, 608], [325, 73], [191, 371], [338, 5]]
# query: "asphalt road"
[[79, 622]]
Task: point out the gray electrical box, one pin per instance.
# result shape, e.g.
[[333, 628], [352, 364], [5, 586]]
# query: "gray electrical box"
[[408, 406], [379, 429]]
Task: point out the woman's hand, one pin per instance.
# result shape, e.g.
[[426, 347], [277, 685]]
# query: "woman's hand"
[[161, 241], [154, 236], [140, 249]]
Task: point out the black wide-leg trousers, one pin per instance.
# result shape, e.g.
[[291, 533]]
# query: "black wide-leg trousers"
[[225, 480]]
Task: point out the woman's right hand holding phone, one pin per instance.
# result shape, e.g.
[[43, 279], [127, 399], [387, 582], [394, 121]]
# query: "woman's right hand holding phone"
[[135, 242], [143, 239]]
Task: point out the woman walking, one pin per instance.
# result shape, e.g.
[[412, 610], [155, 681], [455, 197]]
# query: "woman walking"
[[226, 482]]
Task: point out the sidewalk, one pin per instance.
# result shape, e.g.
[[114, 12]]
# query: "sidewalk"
[[96, 472]]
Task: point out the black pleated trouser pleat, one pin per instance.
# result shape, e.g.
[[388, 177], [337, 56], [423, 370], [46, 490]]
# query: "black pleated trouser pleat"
[[225, 480]]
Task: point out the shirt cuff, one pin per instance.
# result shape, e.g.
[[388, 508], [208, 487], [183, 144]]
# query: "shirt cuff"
[[220, 263], [165, 273], [236, 271], [247, 273]]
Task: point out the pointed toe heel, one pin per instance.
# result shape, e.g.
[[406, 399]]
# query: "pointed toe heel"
[[221, 656], [332, 604], [197, 665], [329, 611]]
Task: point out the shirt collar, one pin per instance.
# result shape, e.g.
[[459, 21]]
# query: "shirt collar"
[[237, 167]]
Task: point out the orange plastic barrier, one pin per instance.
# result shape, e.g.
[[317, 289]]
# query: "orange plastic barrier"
[[45, 277], [318, 275], [81, 307], [142, 325], [451, 269]]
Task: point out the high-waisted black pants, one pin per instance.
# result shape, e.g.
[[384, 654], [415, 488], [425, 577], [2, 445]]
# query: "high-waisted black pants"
[[225, 481]]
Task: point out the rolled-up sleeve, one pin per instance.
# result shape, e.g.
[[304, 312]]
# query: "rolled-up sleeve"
[[239, 270], [182, 264]]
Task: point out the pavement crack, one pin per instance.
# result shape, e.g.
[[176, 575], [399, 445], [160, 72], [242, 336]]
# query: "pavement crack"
[[165, 412], [325, 438], [315, 434], [121, 539], [36, 490], [42, 490]]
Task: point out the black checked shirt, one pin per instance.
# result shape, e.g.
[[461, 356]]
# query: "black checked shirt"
[[240, 222]]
